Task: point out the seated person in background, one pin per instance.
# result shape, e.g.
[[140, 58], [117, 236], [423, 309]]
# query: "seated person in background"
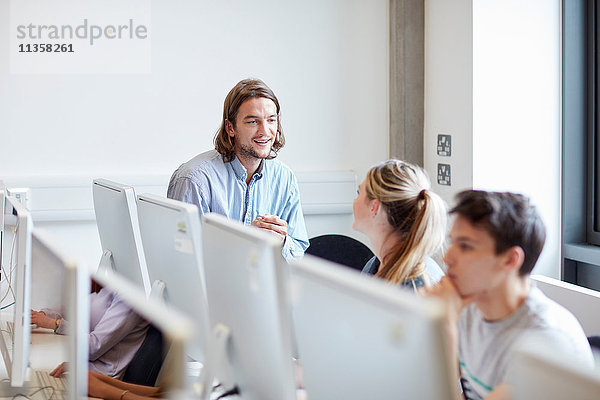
[[493, 307], [240, 178], [116, 333], [405, 223]]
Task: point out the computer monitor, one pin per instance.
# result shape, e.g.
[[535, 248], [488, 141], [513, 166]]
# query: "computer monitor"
[[16, 269], [170, 231], [245, 281], [117, 221], [176, 328], [538, 374], [60, 283], [361, 338]]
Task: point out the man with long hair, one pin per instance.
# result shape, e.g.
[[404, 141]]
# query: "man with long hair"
[[240, 178]]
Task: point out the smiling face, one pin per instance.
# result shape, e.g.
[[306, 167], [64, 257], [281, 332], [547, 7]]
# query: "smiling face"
[[473, 265], [255, 129]]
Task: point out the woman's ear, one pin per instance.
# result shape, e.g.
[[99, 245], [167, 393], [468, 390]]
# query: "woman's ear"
[[374, 206]]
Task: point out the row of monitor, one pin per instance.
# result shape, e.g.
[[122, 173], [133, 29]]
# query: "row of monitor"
[[255, 313], [35, 274], [254, 317]]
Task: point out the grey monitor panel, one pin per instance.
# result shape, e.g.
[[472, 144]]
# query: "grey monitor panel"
[[360, 338], [117, 221], [60, 283], [171, 235], [245, 280], [16, 269]]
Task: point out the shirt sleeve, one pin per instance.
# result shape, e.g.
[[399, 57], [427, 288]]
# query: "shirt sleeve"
[[114, 325], [51, 313], [296, 241], [184, 189]]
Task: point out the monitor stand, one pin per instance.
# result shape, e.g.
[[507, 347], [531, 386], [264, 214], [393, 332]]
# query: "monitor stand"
[[216, 360], [107, 263]]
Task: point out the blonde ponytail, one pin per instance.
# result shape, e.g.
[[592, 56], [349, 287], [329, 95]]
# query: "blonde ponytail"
[[417, 215]]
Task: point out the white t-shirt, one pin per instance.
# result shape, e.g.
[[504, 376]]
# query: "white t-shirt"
[[486, 348]]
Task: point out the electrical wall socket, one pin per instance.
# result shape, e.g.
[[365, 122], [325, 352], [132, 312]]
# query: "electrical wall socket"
[[443, 174], [444, 145], [23, 195]]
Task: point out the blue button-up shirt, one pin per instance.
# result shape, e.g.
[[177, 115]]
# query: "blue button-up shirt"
[[215, 186]]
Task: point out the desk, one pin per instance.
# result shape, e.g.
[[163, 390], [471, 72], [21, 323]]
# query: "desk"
[[46, 351]]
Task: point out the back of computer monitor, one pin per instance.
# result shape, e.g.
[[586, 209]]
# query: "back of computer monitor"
[[117, 221], [60, 283], [360, 338], [17, 253], [540, 375], [176, 328], [170, 232], [245, 281]]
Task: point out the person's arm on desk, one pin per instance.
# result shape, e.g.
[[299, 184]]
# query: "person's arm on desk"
[[49, 319], [113, 389]]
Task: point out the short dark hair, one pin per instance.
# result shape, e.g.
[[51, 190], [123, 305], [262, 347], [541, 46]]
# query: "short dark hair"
[[509, 218], [244, 90]]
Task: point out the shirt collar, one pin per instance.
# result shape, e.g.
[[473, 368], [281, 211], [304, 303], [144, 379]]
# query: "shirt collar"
[[240, 171]]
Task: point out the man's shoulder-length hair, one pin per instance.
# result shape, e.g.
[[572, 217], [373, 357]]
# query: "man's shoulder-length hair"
[[244, 90]]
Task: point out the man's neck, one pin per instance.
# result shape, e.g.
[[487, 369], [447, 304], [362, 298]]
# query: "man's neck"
[[250, 164], [503, 301]]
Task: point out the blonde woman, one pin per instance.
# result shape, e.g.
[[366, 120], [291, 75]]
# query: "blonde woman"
[[405, 222]]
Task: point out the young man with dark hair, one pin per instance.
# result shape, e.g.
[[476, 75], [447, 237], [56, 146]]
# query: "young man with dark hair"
[[493, 307], [240, 178]]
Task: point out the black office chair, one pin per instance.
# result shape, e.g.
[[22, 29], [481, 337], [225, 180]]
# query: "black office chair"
[[145, 364], [594, 342], [340, 249]]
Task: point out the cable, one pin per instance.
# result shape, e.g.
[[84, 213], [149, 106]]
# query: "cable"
[[11, 267], [30, 395]]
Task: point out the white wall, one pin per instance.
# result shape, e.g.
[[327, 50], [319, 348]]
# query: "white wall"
[[326, 61], [511, 101]]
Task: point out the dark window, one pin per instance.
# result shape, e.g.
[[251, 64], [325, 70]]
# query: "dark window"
[[593, 73]]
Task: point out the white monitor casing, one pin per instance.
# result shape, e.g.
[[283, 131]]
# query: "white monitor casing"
[[171, 235], [246, 287], [61, 283], [176, 328], [17, 259], [358, 337], [118, 227]]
